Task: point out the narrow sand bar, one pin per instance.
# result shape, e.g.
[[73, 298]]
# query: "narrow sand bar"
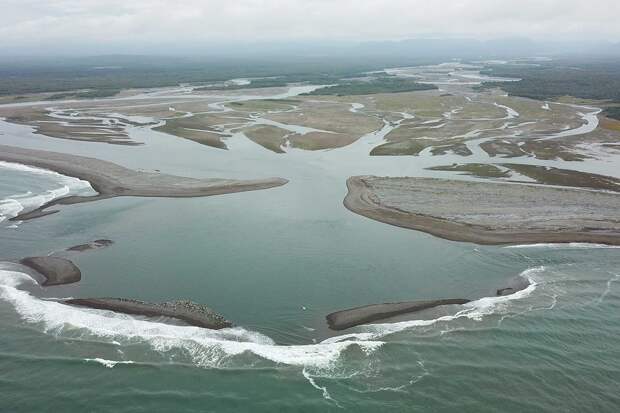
[[488, 213], [112, 180], [194, 314], [341, 320]]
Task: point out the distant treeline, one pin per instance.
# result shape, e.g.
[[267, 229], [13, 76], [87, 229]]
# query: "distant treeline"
[[598, 80], [88, 94], [612, 112], [283, 80], [254, 83], [383, 84], [122, 72]]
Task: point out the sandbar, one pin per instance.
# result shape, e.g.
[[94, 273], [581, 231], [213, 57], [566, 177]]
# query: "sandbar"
[[488, 213], [112, 180], [55, 270], [341, 320], [194, 314]]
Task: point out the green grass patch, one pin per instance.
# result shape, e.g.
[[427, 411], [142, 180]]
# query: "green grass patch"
[[383, 84]]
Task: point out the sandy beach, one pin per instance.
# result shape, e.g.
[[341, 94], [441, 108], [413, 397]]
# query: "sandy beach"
[[112, 180]]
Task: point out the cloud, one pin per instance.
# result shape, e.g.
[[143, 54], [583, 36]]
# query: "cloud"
[[52, 23]]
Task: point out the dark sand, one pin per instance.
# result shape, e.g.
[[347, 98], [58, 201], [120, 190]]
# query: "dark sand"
[[194, 314], [96, 244], [488, 213], [111, 180], [352, 317], [515, 284], [56, 271]]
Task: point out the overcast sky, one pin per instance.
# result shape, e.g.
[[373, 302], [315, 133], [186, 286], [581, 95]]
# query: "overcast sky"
[[42, 24]]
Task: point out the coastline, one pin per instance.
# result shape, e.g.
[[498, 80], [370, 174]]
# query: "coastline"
[[362, 200], [112, 180]]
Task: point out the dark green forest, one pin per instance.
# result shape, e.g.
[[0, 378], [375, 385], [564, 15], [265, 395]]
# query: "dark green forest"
[[22, 76], [384, 84], [597, 79]]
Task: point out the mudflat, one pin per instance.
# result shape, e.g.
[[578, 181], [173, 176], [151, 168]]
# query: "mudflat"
[[488, 213]]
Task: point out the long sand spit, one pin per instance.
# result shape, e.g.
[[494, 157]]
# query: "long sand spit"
[[112, 180], [488, 213]]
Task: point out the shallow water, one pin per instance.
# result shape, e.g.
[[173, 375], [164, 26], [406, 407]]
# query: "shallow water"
[[276, 262]]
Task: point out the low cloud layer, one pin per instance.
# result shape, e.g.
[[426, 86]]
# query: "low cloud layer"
[[33, 24]]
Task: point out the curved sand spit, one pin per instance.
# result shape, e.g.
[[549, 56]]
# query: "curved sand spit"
[[111, 180], [488, 213]]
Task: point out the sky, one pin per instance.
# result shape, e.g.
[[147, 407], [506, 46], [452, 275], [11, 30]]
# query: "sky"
[[107, 25]]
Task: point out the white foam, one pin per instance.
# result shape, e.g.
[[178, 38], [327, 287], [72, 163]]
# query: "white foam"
[[323, 389], [210, 348], [13, 205], [474, 310], [607, 289], [108, 363], [566, 245], [205, 347]]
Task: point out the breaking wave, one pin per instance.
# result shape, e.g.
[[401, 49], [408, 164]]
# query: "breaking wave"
[[61, 186], [213, 348]]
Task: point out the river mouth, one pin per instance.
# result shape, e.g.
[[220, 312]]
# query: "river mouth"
[[276, 262]]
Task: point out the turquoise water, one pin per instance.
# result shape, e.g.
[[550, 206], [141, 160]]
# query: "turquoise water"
[[275, 262]]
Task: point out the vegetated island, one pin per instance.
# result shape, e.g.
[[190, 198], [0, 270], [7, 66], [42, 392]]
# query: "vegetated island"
[[488, 213], [584, 79], [85, 94], [112, 180], [384, 84], [545, 175]]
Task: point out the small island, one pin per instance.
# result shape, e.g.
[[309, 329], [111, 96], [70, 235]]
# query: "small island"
[[191, 313]]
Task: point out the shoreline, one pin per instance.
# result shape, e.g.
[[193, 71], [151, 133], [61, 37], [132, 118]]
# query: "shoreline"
[[361, 200], [194, 314], [52, 271], [367, 314], [110, 180]]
